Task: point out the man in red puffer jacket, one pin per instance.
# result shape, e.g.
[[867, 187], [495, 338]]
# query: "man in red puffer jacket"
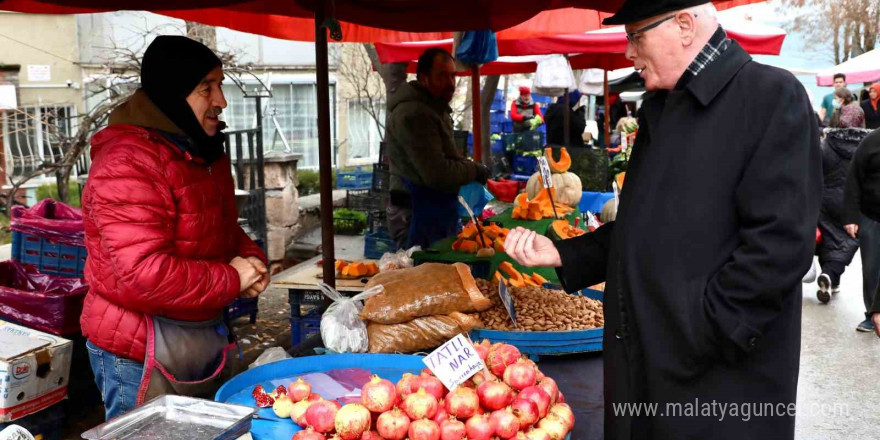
[[161, 224]]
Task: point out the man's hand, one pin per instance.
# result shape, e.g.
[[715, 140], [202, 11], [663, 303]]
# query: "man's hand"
[[876, 318], [531, 249], [260, 286], [247, 273], [852, 230], [482, 174]]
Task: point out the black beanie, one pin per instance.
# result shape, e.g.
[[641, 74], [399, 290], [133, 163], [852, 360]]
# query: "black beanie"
[[171, 69]]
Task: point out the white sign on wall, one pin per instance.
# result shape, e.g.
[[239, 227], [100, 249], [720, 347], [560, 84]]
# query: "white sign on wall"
[[7, 97], [39, 72]]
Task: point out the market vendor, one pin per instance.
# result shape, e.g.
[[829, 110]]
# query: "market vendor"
[[524, 112], [715, 229], [166, 253], [427, 167]]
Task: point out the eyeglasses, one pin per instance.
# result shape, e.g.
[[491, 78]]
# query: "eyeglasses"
[[631, 37]]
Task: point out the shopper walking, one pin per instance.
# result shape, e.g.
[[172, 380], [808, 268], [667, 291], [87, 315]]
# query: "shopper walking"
[[862, 218], [847, 112], [869, 106], [715, 230]]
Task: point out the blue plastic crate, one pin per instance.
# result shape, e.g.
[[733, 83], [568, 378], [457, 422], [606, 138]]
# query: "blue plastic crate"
[[525, 164], [507, 127], [357, 179], [241, 307], [48, 256], [377, 244], [541, 99], [302, 328], [496, 127], [497, 147], [497, 116]]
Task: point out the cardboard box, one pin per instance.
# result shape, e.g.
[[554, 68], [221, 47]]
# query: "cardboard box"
[[34, 370]]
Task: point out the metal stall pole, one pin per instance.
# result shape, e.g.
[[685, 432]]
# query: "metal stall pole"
[[324, 148]]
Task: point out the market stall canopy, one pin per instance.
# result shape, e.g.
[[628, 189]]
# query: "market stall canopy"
[[374, 21], [863, 68], [600, 49]]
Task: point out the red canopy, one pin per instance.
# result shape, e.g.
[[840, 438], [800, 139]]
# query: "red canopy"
[[373, 21]]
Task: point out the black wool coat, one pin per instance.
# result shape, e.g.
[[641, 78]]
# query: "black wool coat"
[[715, 229]]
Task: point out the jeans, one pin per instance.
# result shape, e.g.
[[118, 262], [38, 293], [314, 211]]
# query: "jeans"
[[869, 243], [117, 378]]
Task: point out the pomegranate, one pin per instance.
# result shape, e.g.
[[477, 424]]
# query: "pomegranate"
[[282, 406], [321, 416], [462, 403], [506, 424], [538, 374], [405, 385], [553, 425], [424, 430], [426, 372], [379, 395], [298, 412], [441, 415], [299, 390], [393, 425], [520, 375], [278, 392], [549, 385], [258, 391], [432, 386], [537, 434], [479, 427], [500, 356], [494, 395], [314, 397], [352, 421], [483, 375], [561, 398], [420, 405], [539, 396], [308, 434], [483, 349], [452, 429], [371, 435], [565, 413], [525, 411], [336, 402]]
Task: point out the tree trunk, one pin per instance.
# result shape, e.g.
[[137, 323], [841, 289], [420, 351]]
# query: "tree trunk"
[[62, 180], [487, 95], [202, 33], [393, 76]]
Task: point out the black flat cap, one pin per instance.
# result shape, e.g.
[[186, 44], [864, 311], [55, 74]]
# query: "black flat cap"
[[637, 10]]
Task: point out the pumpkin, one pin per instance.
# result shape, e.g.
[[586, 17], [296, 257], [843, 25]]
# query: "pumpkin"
[[567, 188], [560, 166], [562, 230]]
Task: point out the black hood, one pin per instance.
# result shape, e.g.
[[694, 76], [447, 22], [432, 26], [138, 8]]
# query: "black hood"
[[845, 141]]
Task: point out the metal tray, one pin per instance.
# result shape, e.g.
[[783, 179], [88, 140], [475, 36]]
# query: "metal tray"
[[177, 417]]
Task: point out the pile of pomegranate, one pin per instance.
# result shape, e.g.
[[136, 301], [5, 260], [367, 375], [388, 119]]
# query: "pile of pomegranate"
[[510, 399]]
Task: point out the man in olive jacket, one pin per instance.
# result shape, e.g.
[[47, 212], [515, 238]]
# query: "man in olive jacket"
[[715, 229], [427, 168]]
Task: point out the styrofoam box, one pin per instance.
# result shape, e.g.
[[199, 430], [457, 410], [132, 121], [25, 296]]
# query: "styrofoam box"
[[34, 370]]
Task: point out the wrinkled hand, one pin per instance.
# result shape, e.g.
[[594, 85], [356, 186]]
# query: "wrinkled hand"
[[531, 249], [852, 230], [876, 319], [248, 275]]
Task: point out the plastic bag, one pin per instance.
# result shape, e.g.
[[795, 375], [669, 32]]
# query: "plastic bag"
[[47, 303], [270, 355], [476, 196], [342, 329], [15, 432], [477, 47], [420, 333], [554, 75], [425, 290], [50, 220], [401, 259]]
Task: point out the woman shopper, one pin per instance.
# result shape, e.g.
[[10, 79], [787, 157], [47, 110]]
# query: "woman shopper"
[[861, 215], [847, 112], [836, 249], [869, 106]]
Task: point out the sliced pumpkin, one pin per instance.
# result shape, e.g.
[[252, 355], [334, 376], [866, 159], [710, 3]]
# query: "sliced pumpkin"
[[469, 232], [498, 278], [499, 244], [469, 246], [340, 264], [372, 269], [558, 166], [539, 279], [529, 282]]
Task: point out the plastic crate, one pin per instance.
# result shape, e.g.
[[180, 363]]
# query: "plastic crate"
[[525, 164], [531, 140], [496, 127], [48, 256], [302, 328], [381, 178], [302, 301], [357, 179], [366, 200], [378, 243], [241, 307], [497, 147], [507, 127], [377, 221], [497, 116], [347, 224]]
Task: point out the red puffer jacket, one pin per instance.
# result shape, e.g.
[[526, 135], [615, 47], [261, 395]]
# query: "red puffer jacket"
[[160, 229]]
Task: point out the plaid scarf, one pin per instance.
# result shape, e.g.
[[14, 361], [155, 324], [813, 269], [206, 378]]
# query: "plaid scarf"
[[711, 51]]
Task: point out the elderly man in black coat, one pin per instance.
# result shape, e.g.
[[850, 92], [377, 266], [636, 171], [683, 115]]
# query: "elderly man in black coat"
[[715, 229]]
